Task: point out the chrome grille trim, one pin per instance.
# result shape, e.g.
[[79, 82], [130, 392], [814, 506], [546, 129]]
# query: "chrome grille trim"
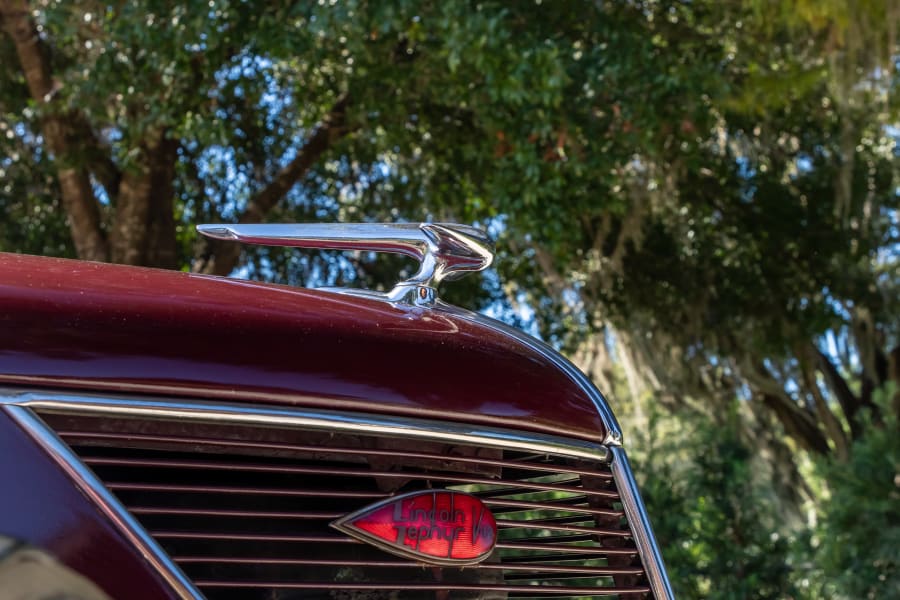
[[640, 525], [316, 420], [18, 403]]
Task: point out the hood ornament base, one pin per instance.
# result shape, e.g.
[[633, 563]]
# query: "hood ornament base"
[[445, 251]]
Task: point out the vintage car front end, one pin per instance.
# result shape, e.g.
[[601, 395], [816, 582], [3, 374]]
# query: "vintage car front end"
[[167, 435]]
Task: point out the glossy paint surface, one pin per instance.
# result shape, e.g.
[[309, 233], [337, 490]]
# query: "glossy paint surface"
[[42, 507], [73, 324]]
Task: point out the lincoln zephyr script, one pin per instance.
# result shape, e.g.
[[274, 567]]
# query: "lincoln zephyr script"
[[437, 527]]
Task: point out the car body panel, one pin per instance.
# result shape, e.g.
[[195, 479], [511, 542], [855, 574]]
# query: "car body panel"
[[45, 508], [82, 325]]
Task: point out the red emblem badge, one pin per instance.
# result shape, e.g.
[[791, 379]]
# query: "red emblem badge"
[[435, 526]]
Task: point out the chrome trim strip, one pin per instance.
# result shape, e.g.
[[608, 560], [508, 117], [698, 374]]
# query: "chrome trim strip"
[[105, 501], [269, 416], [613, 431], [636, 514]]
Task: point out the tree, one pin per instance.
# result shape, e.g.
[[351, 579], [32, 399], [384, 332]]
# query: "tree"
[[700, 197]]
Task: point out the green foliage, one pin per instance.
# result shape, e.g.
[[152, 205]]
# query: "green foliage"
[[858, 534], [721, 527], [714, 514]]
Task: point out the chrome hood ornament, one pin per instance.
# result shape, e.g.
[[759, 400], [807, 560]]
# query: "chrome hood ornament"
[[445, 251]]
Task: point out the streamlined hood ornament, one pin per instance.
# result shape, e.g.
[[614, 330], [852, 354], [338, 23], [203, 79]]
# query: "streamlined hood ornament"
[[445, 251], [439, 527]]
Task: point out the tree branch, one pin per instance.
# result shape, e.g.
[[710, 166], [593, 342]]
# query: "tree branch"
[[552, 278], [78, 196], [850, 404], [797, 423], [829, 421], [221, 258], [96, 156]]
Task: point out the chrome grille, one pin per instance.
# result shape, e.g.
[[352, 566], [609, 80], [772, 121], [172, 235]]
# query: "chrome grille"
[[244, 511]]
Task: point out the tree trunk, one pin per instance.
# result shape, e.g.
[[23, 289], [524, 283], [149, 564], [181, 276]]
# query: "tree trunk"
[[144, 229], [78, 196], [894, 374], [162, 250]]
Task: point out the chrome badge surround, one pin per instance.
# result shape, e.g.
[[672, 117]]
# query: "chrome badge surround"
[[345, 526]]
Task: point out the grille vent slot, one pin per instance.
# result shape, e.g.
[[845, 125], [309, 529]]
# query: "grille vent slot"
[[244, 511]]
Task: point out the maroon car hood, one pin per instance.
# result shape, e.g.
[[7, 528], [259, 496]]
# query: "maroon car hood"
[[74, 324]]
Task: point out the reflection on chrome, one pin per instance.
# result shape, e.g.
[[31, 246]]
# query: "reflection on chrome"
[[444, 250]]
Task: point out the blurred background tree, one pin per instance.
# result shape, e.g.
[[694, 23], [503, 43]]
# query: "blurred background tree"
[[697, 201]]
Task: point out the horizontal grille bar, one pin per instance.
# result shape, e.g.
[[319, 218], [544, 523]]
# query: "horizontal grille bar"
[[547, 525], [250, 514], [562, 507], [224, 489], [252, 537], [563, 549], [74, 436], [551, 541], [397, 564], [542, 525], [561, 558], [589, 530], [297, 470], [542, 590]]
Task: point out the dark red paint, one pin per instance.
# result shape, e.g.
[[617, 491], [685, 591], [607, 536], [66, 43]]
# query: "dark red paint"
[[42, 507], [95, 326]]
